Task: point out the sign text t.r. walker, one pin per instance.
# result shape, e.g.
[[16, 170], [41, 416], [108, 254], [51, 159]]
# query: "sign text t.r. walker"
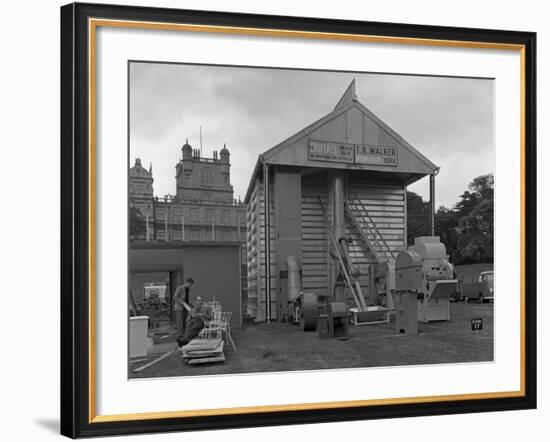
[[377, 155]]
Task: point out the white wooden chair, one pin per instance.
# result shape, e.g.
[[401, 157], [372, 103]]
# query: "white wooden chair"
[[208, 333], [222, 324], [215, 308]]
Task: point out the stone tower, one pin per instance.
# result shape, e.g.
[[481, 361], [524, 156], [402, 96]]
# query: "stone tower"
[[140, 181], [203, 179]]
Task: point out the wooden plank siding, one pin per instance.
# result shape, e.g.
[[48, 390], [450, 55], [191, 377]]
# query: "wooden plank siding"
[[256, 253], [272, 253], [385, 204], [253, 250], [351, 124], [314, 236]]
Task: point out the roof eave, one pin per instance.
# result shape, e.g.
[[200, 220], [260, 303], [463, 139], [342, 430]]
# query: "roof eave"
[[255, 173]]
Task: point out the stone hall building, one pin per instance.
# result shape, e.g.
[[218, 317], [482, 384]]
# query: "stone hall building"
[[203, 207]]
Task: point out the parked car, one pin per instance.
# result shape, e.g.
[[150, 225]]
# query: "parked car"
[[482, 290]]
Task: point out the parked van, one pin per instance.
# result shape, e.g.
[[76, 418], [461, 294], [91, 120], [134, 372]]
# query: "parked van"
[[482, 290], [488, 278]]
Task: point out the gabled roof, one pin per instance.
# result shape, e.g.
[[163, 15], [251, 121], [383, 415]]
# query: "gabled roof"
[[347, 107], [348, 101], [348, 96]]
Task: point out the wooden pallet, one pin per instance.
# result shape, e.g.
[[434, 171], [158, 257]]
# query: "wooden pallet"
[[190, 354], [203, 351], [196, 361], [201, 344]]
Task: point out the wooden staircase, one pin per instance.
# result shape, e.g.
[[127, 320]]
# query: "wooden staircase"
[[371, 239], [365, 226], [342, 257]]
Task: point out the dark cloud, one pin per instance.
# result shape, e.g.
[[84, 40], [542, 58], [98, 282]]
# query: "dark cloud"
[[450, 120]]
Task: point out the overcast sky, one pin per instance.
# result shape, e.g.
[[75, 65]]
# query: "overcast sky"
[[449, 120]]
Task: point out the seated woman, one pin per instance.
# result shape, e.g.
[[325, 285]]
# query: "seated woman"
[[199, 315]]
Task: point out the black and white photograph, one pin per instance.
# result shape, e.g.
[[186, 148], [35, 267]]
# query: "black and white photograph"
[[274, 221], [288, 219]]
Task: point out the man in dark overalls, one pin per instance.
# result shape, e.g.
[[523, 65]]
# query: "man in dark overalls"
[[199, 315], [181, 305]]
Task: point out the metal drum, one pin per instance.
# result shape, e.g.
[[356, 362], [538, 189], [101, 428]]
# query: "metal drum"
[[408, 271], [308, 311]]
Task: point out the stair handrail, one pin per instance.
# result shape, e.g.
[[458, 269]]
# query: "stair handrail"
[[362, 234], [364, 209], [358, 297]]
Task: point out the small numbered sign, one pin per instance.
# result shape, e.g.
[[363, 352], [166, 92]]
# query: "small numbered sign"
[[477, 324]]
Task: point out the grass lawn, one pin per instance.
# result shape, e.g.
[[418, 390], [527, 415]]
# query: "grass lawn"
[[284, 347]]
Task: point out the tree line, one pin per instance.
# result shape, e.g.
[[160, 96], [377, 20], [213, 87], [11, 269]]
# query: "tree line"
[[466, 229]]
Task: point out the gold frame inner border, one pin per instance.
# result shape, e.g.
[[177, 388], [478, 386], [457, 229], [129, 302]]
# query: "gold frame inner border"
[[93, 24]]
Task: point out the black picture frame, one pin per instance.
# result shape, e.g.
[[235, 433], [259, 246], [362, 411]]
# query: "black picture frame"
[[76, 418]]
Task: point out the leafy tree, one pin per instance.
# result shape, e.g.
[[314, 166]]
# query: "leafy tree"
[[483, 186], [446, 222], [418, 217], [137, 223], [467, 203], [476, 234], [476, 224], [466, 229], [480, 189]]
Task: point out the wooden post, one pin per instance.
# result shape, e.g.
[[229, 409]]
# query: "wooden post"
[[432, 204], [405, 240], [267, 245]]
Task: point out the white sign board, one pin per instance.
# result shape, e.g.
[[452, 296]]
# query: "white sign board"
[[330, 151], [377, 155]]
